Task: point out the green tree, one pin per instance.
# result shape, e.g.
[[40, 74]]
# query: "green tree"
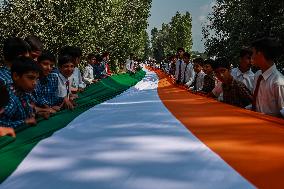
[[117, 26], [172, 36], [180, 31], [157, 46], [234, 24], [147, 47]]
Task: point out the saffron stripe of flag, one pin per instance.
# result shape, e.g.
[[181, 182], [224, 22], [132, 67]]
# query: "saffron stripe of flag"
[[132, 142]]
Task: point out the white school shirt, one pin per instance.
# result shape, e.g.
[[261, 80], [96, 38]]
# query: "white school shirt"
[[88, 75], [130, 65], [182, 69], [167, 67], [218, 90], [63, 89], [247, 78], [189, 74], [76, 79], [270, 98], [200, 80]]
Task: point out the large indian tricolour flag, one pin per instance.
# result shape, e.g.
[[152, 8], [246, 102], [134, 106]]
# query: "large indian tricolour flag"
[[156, 135]]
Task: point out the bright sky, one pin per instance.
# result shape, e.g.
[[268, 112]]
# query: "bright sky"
[[163, 10]]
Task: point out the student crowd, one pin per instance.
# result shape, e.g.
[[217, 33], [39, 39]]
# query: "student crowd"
[[262, 91], [32, 86]]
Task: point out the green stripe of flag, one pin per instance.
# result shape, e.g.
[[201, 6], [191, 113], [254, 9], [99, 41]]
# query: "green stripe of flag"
[[13, 151]]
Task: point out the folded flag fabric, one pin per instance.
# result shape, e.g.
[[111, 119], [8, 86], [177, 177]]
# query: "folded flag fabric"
[[13, 151], [131, 141], [153, 135], [251, 142]]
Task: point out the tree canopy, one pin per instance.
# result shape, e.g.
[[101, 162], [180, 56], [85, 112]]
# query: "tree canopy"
[[234, 24], [117, 26], [171, 36]]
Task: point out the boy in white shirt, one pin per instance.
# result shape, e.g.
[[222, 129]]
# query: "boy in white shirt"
[[130, 64], [188, 73], [36, 46], [209, 81], [173, 60], [66, 69], [76, 80], [197, 83], [88, 75], [268, 94], [105, 63], [180, 65], [243, 73]]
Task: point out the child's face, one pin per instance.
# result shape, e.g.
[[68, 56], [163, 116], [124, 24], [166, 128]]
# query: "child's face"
[[207, 69], [197, 68], [257, 57], [67, 69], [245, 62], [92, 61], [180, 53], [26, 82], [35, 54], [223, 74], [186, 60], [106, 58], [77, 61], [46, 67]]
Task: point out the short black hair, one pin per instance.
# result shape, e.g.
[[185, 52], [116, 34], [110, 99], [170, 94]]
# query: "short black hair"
[[99, 58], [210, 61], [180, 49], [186, 54], [4, 95], [34, 42], [14, 47], [91, 56], [173, 57], [64, 59], [245, 51], [24, 65], [74, 52], [222, 62], [270, 47], [105, 54], [199, 61], [47, 55]]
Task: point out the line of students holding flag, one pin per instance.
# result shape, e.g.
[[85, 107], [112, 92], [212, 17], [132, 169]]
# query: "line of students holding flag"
[[262, 91], [32, 86]]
